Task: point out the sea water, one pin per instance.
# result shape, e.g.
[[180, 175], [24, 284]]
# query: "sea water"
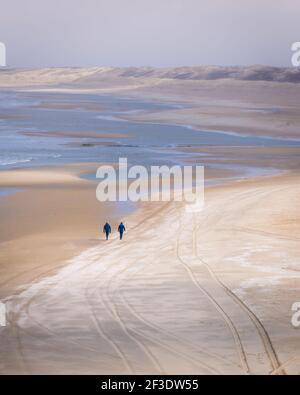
[[142, 143]]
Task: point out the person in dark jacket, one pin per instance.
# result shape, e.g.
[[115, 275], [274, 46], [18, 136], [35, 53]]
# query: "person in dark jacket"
[[107, 230], [121, 230]]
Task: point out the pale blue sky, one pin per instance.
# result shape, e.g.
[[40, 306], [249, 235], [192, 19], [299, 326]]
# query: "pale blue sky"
[[148, 32]]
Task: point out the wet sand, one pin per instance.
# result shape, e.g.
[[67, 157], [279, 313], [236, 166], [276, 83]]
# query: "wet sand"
[[54, 216], [75, 134], [276, 159], [71, 106], [255, 108], [249, 107]]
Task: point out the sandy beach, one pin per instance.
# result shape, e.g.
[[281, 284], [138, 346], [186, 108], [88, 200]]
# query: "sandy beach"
[[205, 293], [50, 215], [224, 281], [53, 216], [248, 108]]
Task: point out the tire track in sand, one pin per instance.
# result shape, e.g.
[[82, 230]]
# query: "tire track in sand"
[[262, 332], [236, 336]]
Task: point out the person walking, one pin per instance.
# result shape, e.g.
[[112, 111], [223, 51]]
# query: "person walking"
[[121, 230], [106, 230]]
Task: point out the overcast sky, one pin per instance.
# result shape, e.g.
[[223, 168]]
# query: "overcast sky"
[[148, 32]]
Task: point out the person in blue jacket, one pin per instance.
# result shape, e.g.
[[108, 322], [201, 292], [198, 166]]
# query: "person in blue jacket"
[[121, 230], [107, 230]]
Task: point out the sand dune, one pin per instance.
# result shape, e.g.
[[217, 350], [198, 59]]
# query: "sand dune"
[[83, 75]]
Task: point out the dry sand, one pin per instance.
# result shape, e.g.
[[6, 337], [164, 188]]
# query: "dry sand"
[[182, 293]]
